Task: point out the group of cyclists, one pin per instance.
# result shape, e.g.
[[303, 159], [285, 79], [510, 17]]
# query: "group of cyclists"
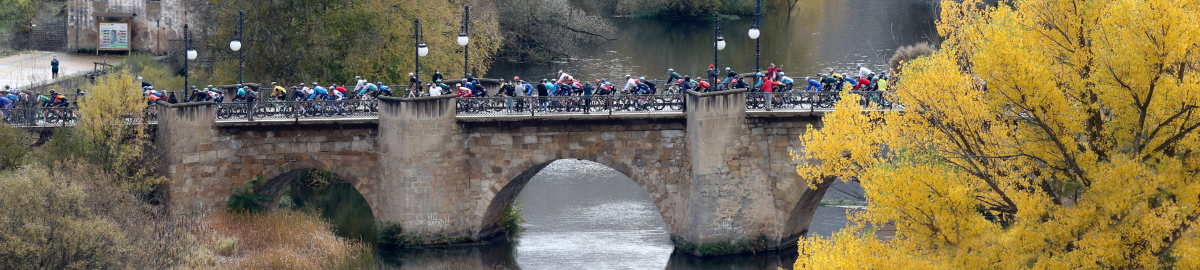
[[13, 98], [362, 90]]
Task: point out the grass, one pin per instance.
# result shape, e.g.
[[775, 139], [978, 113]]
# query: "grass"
[[284, 239]]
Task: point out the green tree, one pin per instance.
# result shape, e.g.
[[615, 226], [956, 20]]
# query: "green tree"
[[326, 40]]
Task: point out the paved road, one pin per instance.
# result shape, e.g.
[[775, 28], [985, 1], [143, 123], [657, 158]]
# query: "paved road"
[[28, 68]]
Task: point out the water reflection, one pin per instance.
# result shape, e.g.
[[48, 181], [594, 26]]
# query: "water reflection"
[[819, 35]]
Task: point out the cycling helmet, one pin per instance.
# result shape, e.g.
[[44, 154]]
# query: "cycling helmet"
[[726, 68], [52, 91], [781, 73], [314, 83], [642, 78], [679, 81], [627, 76], [410, 74], [516, 78], [239, 85], [670, 70], [139, 78], [357, 77], [379, 83]]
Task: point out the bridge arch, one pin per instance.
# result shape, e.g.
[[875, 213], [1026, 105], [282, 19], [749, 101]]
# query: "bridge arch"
[[360, 180], [513, 181]]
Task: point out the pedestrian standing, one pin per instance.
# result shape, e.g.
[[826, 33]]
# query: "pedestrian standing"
[[587, 98], [54, 67]]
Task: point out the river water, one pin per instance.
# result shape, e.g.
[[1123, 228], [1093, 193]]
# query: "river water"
[[584, 215], [820, 35]]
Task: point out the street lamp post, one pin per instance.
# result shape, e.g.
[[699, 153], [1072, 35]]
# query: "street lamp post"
[[462, 36], [422, 50], [236, 43], [191, 55], [720, 45], [754, 33]]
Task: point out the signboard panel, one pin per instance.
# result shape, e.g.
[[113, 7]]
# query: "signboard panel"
[[114, 36]]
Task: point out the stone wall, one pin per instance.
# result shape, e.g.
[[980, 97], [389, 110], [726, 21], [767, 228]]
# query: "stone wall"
[[157, 25], [425, 184], [730, 198], [503, 156], [206, 161], [774, 139]]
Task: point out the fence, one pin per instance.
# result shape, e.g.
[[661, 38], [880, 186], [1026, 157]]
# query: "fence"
[[63, 116], [561, 105], [296, 110], [808, 101]]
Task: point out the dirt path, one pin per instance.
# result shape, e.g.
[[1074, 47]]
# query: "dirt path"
[[29, 68]]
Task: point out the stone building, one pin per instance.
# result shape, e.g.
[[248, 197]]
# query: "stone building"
[[153, 25]]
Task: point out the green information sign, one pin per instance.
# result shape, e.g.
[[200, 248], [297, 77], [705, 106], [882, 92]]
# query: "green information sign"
[[114, 36]]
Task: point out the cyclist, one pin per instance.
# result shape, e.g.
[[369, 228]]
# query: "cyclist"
[[387, 91], [319, 93], [58, 100], [278, 93], [463, 91], [528, 88], [359, 83], [729, 75], [703, 86], [813, 85], [864, 84], [339, 88], [863, 71], [11, 96], [413, 82], [653, 87], [630, 83], [5, 103], [215, 94], [563, 76], [241, 93], [434, 89], [672, 76], [477, 90], [740, 83], [787, 83], [297, 94]]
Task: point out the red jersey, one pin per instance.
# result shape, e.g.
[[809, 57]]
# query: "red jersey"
[[340, 89]]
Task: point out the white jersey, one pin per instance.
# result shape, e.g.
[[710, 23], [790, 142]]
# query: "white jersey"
[[306, 90], [360, 84], [863, 72], [435, 90], [563, 77]]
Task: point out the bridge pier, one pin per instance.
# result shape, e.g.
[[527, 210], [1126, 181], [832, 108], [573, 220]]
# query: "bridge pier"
[[722, 180]]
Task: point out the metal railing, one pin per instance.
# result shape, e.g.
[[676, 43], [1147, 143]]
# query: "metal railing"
[[808, 101], [564, 105], [63, 116], [296, 110]]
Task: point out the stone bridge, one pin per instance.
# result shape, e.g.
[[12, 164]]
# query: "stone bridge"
[[715, 173]]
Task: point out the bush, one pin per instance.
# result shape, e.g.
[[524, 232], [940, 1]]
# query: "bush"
[[511, 219], [74, 217], [284, 239], [908, 53], [13, 145], [246, 199]]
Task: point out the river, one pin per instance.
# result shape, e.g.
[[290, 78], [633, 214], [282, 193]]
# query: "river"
[[583, 215]]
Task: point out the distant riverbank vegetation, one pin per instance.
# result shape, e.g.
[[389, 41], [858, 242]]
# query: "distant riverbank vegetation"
[[91, 197]]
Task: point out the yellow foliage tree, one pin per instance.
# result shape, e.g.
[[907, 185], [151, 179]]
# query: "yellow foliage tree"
[[1080, 151], [111, 133]]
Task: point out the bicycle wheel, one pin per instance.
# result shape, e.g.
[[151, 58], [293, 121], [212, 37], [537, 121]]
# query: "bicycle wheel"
[[656, 104]]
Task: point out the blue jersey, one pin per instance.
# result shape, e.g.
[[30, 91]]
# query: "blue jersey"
[[241, 91], [5, 102], [813, 84], [12, 97], [528, 89]]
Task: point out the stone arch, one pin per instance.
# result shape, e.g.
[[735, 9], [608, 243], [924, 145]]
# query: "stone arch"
[[506, 189], [801, 217], [273, 177]]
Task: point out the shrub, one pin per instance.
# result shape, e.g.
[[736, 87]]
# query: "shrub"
[[716, 248], [511, 219], [13, 145], [246, 199], [284, 239], [905, 54], [75, 217], [226, 246]]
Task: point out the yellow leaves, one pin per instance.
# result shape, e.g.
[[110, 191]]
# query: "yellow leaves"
[[1081, 153]]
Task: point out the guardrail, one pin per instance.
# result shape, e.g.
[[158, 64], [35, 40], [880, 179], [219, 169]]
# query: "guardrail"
[[62, 116], [807, 101], [562, 105], [296, 110]]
